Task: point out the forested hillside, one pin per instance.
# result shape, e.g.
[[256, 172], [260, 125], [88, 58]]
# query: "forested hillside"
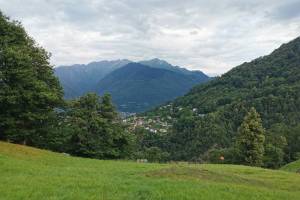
[[207, 118]]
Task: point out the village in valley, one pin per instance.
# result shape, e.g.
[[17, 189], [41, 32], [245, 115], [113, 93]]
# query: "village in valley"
[[154, 123]]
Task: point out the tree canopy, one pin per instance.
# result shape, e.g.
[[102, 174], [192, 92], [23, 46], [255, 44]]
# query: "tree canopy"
[[29, 90]]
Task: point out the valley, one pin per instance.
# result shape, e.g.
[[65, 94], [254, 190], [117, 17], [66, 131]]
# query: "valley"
[[143, 129], [135, 87]]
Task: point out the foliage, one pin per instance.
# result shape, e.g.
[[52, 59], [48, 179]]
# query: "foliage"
[[250, 140], [29, 91], [34, 113], [155, 154], [148, 146], [94, 129], [270, 84], [275, 147]]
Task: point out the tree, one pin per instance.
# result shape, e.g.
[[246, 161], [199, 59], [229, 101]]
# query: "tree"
[[93, 133], [250, 140], [155, 154], [29, 90], [292, 135], [107, 108], [275, 144]]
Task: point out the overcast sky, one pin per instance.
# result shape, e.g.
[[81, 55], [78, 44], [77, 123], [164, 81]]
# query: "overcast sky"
[[212, 36]]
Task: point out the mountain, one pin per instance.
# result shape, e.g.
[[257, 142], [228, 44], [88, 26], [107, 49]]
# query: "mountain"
[[209, 115], [104, 76], [79, 79], [136, 87], [161, 64], [270, 83]]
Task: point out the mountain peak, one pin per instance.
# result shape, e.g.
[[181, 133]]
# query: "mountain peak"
[[112, 76], [159, 61], [156, 62]]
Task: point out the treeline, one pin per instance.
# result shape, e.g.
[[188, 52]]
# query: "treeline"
[[89, 127], [34, 113], [207, 140]]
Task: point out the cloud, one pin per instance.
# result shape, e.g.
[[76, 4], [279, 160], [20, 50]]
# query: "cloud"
[[287, 11], [212, 36]]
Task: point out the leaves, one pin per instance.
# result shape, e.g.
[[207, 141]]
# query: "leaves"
[[29, 90], [250, 140]]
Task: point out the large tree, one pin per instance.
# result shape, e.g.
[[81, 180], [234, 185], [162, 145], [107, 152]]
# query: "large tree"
[[250, 140], [28, 89], [96, 132]]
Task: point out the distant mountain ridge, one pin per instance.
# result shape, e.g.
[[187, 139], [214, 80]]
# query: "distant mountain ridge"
[[136, 87], [79, 79], [156, 79], [157, 63]]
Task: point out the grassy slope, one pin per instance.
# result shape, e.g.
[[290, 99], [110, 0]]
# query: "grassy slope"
[[292, 167], [28, 173]]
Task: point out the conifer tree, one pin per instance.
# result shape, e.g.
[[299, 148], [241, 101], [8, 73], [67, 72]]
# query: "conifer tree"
[[107, 108], [250, 140]]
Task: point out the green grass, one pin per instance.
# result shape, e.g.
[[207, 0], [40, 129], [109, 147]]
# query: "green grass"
[[28, 173], [292, 167]]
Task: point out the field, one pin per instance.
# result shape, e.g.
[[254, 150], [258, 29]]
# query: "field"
[[29, 173]]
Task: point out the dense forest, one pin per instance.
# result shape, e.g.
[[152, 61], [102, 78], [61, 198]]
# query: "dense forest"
[[250, 115]]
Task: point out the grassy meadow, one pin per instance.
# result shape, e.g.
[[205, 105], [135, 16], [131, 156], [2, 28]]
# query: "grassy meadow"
[[29, 173]]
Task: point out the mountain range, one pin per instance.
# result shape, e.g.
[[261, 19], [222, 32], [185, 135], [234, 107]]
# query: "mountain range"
[[135, 87]]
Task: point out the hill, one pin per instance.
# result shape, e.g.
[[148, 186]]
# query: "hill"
[[209, 115], [292, 167], [29, 173], [136, 87], [77, 80]]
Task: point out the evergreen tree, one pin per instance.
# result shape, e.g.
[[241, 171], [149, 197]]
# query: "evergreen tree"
[[28, 89], [275, 144], [250, 140], [107, 108]]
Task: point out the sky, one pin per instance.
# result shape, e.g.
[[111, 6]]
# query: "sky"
[[212, 36]]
